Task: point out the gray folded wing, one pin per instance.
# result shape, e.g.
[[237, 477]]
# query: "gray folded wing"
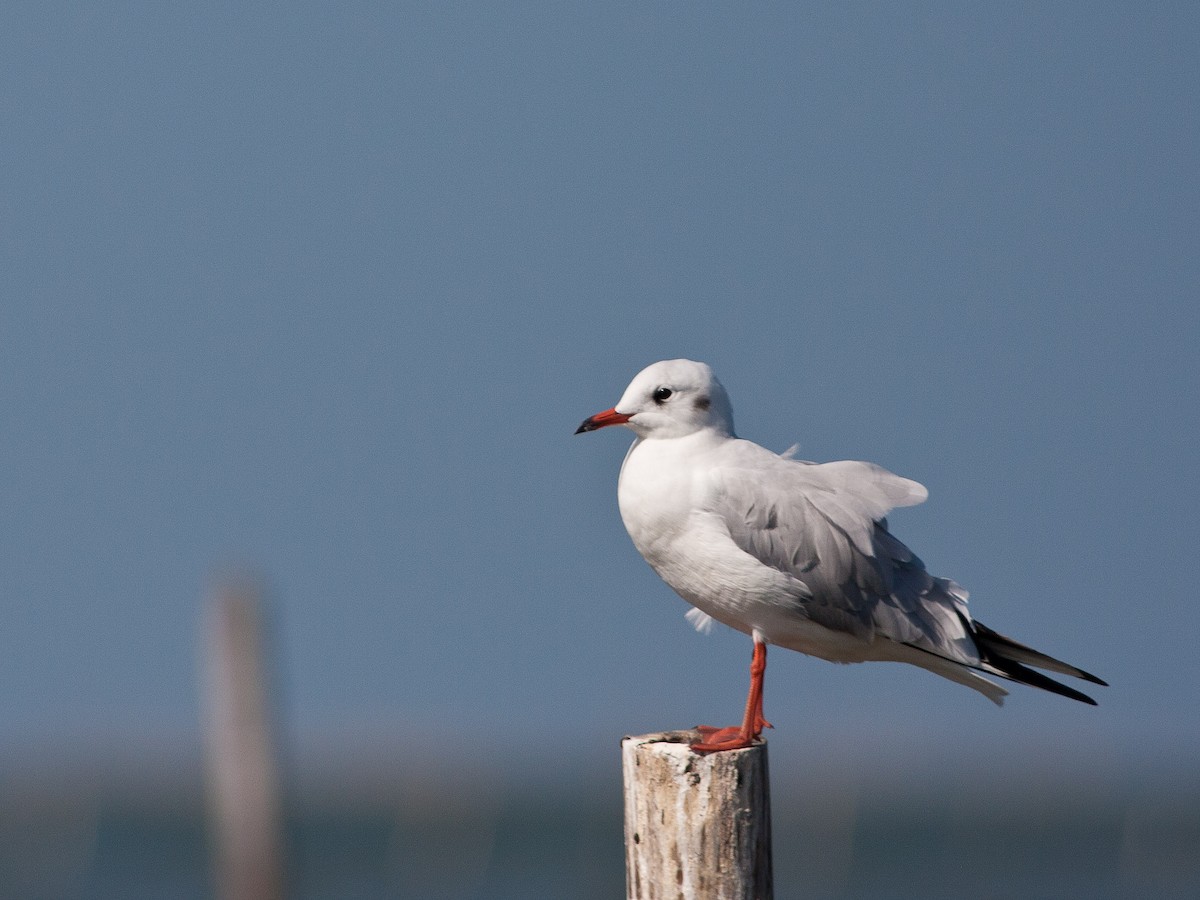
[[823, 524]]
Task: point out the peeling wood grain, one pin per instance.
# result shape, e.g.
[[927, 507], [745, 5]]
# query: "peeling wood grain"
[[697, 826]]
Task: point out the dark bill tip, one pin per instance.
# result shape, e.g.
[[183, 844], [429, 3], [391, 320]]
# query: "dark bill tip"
[[602, 420]]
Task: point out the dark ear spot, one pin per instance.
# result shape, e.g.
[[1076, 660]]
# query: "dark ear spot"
[[703, 403]]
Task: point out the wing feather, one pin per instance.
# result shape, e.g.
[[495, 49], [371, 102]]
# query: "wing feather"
[[824, 524]]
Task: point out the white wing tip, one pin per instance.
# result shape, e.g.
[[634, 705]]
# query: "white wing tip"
[[917, 492]]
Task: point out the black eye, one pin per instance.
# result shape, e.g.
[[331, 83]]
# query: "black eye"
[[662, 394]]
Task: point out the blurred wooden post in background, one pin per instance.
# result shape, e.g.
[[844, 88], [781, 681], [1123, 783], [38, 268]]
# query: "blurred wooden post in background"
[[696, 825], [243, 772]]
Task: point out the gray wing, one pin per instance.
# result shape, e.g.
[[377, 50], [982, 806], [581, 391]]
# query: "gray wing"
[[824, 524]]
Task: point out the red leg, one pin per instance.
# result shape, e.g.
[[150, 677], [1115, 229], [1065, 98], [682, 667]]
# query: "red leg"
[[752, 723]]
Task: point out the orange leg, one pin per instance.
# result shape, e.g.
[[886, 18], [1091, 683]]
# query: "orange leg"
[[753, 723]]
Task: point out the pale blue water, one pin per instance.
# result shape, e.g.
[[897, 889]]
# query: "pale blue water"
[[555, 846]]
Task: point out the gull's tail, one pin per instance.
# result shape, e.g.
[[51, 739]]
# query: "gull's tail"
[[1011, 659]]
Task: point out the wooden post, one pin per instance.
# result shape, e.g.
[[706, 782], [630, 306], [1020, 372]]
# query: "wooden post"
[[243, 775], [697, 825]]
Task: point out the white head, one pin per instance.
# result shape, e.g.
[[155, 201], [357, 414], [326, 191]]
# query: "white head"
[[670, 399]]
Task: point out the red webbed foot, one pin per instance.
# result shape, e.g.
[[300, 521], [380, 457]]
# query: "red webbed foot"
[[738, 738], [717, 739]]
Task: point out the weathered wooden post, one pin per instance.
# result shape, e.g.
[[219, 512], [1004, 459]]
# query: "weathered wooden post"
[[697, 826], [243, 774]]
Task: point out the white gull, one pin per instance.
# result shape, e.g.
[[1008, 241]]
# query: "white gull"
[[792, 553]]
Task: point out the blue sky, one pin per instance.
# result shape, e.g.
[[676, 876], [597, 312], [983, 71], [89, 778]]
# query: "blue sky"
[[323, 289]]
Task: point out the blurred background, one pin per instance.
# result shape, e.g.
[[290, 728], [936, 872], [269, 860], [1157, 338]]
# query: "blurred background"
[[320, 291]]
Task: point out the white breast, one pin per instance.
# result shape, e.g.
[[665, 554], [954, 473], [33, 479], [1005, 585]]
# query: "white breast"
[[661, 494]]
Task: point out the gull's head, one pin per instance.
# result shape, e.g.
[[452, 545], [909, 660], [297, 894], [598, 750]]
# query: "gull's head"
[[670, 399]]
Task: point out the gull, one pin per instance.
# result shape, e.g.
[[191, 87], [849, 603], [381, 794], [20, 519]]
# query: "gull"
[[793, 553]]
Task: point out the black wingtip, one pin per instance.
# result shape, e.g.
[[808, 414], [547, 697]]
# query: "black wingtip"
[[1013, 660], [995, 646], [1033, 678]]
